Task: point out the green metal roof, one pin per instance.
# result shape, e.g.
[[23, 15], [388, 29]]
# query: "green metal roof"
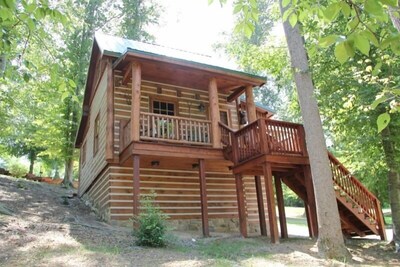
[[116, 46]]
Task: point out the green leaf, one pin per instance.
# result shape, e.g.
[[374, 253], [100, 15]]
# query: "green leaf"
[[349, 46], [332, 11], [293, 19], [237, 8], [371, 37], [374, 8], [72, 83], [346, 9], [328, 40], [64, 95], [393, 3], [378, 101], [287, 14], [362, 44], [341, 53], [383, 121], [285, 3]]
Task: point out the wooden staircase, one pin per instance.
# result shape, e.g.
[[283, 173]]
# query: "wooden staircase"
[[282, 144]]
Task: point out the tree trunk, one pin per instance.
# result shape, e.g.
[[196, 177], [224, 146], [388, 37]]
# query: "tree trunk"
[[393, 181], [69, 170], [394, 16], [32, 157], [330, 238]]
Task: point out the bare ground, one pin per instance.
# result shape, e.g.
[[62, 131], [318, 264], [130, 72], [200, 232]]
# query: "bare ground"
[[46, 226]]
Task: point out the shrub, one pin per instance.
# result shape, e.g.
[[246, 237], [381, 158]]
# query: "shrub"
[[17, 169], [151, 231]]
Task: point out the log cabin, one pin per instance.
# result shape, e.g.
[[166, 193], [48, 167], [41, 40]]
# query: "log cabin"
[[167, 121]]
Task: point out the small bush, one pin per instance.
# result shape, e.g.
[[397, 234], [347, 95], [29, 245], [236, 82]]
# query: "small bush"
[[17, 169], [151, 222]]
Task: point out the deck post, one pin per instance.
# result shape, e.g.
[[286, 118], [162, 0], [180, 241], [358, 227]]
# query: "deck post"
[[260, 205], [136, 186], [310, 201], [241, 205], [135, 105], [269, 190], [281, 207], [203, 198], [250, 105], [110, 112], [214, 113]]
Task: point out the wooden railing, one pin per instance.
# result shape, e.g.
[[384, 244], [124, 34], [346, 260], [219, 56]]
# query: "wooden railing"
[[285, 137], [174, 129], [225, 134], [125, 134], [264, 136], [355, 191]]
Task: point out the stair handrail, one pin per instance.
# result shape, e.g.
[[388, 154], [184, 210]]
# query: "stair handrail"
[[225, 134], [369, 203]]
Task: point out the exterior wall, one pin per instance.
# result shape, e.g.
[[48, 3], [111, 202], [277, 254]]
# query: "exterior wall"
[[95, 162]]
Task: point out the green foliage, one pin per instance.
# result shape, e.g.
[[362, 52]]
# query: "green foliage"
[[151, 222], [290, 198], [17, 169]]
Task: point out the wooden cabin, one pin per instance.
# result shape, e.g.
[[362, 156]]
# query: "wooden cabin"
[[166, 121]]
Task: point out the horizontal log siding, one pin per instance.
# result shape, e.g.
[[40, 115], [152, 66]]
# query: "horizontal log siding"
[[251, 202], [187, 102], [178, 194], [98, 195], [95, 163]]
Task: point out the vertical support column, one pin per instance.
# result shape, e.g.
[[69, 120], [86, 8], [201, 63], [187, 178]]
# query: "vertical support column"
[[214, 112], [203, 198], [260, 204], [269, 190], [110, 112], [312, 212], [281, 207], [135, 105], [250, 105], [136, 185], [241, 205]]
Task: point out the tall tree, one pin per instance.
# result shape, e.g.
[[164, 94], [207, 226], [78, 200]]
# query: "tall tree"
[[330, 239]]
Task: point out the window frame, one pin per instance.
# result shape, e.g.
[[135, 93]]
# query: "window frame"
[[96, 132], [165, 100]]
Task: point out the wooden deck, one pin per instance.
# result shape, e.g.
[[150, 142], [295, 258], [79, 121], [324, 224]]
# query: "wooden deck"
[[271, 149]]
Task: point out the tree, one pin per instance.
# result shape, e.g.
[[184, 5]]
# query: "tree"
[[330, 239]]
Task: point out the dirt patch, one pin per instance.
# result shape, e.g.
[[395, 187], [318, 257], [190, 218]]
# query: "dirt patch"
[[47, 225]]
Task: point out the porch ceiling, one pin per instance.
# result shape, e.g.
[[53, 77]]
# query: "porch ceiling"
[[185, 74]]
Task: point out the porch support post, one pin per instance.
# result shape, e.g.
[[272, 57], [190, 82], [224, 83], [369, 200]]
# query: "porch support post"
[[136, 186], [312, 212], [135, 105], [241, 205], [269, 190], [214, 113], [260, 204], [281, 207], [203, 198], [250, 105], [110, 112]]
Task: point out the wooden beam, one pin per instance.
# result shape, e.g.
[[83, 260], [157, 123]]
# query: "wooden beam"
[[269, 190], [237, 93], [308, 184], [110, 112], [241, 205], [203, 198], [127, 74], [260, 204], [136, 186], [281, 207], [214, 113], [135, 105], [250, 105]]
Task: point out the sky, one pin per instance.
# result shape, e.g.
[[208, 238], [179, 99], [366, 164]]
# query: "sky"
[[193, 25]]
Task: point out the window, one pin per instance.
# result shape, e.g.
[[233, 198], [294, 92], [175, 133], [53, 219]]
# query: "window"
[[83, 154], [165, 108], [224, 117], [96, 135]]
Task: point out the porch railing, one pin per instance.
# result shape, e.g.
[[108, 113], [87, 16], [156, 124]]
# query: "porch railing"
[[158, 127]]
